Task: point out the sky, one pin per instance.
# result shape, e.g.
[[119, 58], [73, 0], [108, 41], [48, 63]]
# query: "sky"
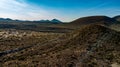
[[64, 10]]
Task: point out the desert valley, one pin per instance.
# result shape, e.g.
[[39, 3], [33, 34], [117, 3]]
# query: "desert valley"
[[92, 41]]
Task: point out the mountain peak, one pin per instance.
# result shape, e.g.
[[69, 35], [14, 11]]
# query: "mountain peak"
[[56, 20]]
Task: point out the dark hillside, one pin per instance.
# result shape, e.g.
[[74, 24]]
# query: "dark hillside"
[[117, 18], [94, 19]]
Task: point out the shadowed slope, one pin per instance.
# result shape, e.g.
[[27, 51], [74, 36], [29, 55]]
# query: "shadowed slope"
[[93, 19], [117, 18]]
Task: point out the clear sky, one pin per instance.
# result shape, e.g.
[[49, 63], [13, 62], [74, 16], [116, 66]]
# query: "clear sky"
[[65, 10]]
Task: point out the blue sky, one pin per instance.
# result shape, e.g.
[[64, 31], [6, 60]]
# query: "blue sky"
[[65, 10]]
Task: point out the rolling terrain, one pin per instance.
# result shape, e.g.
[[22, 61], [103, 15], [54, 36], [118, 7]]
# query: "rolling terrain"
[[90, 46], [58, 26], [86, 42]]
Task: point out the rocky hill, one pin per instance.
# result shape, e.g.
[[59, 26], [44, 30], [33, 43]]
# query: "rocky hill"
[[94, 19]]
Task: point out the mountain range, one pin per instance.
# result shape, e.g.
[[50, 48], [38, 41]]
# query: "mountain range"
[[57, 25], [39, 21]]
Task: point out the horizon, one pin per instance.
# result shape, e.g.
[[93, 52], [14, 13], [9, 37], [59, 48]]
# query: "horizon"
[[55, 18], [64, 10]]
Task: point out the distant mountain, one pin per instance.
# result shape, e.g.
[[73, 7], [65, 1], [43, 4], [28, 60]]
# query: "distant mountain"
[[5, 20], [117, 18], [43, 21], [49, 21], [56, 20], [40, 21], [94, 19]]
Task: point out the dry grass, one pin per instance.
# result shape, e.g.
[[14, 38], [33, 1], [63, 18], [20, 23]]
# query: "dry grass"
[[67, 50]]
